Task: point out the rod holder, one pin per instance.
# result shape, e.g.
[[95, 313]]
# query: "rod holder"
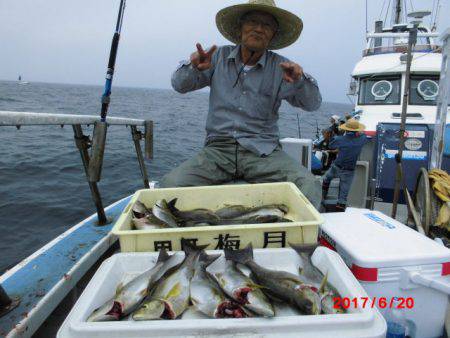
[[148, 138], [137, 136], [6, 303], [83, 143], [97, 152]]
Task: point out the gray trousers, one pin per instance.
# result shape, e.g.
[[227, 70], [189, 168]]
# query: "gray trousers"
[[345, 181], [223, 161]]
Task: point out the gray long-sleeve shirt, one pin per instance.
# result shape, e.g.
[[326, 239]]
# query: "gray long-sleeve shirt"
[[247, 112]]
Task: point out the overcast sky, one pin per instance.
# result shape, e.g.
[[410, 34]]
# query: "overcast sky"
[[68, 41]]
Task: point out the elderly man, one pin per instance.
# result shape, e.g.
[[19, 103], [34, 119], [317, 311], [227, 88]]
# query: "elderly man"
[[248, 83]]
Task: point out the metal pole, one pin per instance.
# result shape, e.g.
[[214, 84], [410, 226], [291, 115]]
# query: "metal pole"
[[398, 12], [82, 143], [398, 157], [442, 103], [373, 189], [137, 136], [148, 143]]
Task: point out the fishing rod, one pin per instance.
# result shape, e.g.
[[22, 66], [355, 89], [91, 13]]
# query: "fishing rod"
[[100, 127]]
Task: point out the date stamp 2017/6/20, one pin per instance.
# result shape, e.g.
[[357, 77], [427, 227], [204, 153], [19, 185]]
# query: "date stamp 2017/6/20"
[[371, 302]]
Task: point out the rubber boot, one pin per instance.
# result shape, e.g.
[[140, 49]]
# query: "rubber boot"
[[340, 207]]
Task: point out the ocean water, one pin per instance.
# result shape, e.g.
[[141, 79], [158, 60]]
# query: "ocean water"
[[43, 188]]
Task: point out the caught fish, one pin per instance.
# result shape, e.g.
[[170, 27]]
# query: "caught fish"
[[207, 297], [240, 212], [170, 296], [314, 276], [231, 211], [104, 313], [162, 212], [199, 215], [258, 219], [194, 215], [140, 210], [243, 290], [252, 220], [131, 294], [143, 218], [281, 285], [266, 211], [147, 223]]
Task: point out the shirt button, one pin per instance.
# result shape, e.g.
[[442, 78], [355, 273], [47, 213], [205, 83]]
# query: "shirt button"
[[240, 108], [244, 92]]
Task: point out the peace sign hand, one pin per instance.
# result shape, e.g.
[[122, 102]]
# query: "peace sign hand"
[[291, 71], [200, 59]]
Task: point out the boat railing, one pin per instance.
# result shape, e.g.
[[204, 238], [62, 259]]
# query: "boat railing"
[[375, 44], [84, 142], [402, 49]]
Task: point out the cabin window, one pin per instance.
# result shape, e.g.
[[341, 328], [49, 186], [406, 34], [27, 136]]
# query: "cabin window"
[[424, 90], [379, 90]]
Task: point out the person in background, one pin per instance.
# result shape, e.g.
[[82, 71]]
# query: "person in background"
[[334, 127], [348, 147]]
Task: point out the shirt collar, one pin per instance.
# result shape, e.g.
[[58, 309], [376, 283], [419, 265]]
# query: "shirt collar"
[[236, 55]]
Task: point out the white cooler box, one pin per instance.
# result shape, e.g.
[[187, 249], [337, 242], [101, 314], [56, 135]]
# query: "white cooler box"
[[391, 260], [358, 323]]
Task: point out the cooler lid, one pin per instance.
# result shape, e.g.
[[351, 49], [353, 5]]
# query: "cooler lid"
[[374, 240]]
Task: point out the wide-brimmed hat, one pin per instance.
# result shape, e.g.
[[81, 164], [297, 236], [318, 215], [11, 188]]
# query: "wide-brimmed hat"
[[289, 25], [352, 125]]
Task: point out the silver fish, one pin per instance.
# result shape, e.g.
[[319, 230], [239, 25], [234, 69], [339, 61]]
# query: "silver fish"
[[170, 296], [243, 290], [140, 210], [130, 295], [147, 223], [206, 295], [161, 211], [195, 215], [262, 212], [105, 313], [314, 276], [281, 284], [231, 211]]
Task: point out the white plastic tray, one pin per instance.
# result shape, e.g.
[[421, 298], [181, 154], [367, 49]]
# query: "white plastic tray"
[[361, 323]]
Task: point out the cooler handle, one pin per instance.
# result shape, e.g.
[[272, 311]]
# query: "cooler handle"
[[417, 278]]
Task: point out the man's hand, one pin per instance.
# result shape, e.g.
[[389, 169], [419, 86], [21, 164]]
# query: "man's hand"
[[200, 59], [291, 71]]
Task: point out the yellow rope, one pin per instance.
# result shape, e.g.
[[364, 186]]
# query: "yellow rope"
[[440, 182]]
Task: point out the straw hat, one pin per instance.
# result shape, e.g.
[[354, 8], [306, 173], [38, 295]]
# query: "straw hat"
[[289, 25], [352, 125]]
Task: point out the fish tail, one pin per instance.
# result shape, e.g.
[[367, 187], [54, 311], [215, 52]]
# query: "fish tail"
[[190, 248], [242, 256], [205, 260], [323, 284], [171, 205], [163, 256], [302, 249]]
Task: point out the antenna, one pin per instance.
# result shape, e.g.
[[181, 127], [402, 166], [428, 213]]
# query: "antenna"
[[367, 31], [418, 16]]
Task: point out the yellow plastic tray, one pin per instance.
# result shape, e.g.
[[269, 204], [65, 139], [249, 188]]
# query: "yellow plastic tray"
[[304, 229]]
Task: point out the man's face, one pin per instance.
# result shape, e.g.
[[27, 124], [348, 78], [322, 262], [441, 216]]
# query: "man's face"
[[258, 29]]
